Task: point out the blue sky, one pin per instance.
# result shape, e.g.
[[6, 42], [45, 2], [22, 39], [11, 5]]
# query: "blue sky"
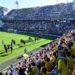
[[10, 4]]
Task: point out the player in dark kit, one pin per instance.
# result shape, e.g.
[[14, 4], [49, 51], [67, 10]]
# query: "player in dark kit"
[[11, 47], [25, 50], [5, 47]]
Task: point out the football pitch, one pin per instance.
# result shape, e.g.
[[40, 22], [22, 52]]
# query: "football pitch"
[[7, 37]]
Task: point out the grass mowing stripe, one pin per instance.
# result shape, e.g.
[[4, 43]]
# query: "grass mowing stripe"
[[21, 51], [30, 46]]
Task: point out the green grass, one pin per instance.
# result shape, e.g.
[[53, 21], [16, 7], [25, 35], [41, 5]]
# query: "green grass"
[[7, 37]]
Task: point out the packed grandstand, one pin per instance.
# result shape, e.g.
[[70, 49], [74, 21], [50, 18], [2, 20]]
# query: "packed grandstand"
[[41, 20], [56, 57]]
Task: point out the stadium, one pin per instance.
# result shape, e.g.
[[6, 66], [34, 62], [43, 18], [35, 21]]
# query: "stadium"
[[37, 40]]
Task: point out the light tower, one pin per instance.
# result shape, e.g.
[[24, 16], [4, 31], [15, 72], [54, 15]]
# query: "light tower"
[[17, 4], [16, 15]]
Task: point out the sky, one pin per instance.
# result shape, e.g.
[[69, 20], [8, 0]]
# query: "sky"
[[11, 4]]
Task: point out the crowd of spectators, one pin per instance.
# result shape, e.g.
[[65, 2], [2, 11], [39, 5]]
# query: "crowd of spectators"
[[66, 62], [39, 63], [39, 19], [44, 27], [44, 62]]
